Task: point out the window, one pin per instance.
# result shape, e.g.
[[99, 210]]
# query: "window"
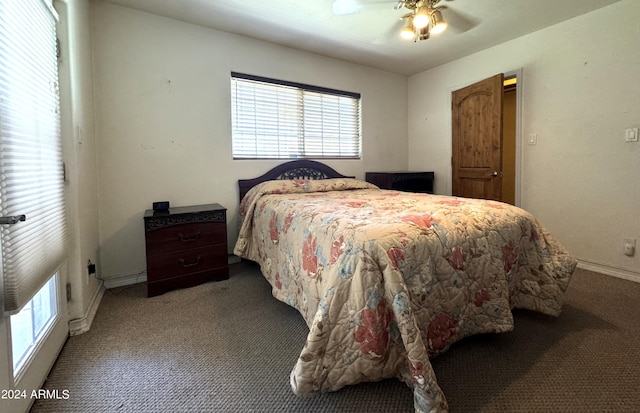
[[31, 324], [274, 119], [31, 182]]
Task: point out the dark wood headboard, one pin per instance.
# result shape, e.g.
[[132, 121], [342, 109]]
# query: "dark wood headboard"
[[299, 169]]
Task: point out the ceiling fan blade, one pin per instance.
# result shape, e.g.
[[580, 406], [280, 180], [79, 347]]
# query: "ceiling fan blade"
[[341, 7], [458, 21], [344, 7]]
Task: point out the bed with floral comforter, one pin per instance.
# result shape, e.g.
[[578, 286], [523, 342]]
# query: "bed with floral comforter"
[[386, 279]]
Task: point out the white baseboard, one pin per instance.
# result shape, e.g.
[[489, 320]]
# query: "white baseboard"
[[608, 270], [124, 280], [83, 324], [141, 277]]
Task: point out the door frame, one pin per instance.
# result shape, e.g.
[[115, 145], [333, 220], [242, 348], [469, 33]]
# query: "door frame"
[[518, 73], [518, 181]]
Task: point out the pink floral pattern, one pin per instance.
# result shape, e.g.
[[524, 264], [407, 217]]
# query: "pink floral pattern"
[[423, 221], [481, 297], [441, 332], [534, 235], [396, 255], [287, 222], [451, 202], [509, 256], [309, 258], [336, 250], [456, 259], [415, 370], [494, 205], [273, 228], [373, 334], [420, 254]]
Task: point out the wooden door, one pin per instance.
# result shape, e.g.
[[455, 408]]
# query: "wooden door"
[[477, 139]]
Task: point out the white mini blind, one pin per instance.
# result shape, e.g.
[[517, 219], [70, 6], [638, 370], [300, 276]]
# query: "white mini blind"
[[31, 170], [274, 119]]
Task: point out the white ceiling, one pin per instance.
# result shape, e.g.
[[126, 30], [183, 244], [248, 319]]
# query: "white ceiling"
[[370, 36]]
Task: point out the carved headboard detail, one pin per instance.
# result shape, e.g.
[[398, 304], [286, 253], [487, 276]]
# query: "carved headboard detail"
[[300, 169]]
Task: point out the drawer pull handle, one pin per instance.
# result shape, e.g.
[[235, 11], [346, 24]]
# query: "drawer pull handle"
[[191, 239], [191, 264]]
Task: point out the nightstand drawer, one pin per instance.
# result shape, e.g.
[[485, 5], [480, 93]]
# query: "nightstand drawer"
[[185, 236], [185, 262]]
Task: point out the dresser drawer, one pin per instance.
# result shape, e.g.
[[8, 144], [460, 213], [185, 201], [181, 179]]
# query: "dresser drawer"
[[184, 262], [160, 287], [185, 236]]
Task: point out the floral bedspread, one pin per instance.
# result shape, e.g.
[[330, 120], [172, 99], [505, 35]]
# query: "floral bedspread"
[[386, 279]]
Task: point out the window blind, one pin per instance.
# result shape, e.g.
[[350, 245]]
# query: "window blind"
[[31, 171], [274, 119]]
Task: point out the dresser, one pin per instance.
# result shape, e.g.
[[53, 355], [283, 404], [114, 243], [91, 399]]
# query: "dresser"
[[402, 181], [185, 246]]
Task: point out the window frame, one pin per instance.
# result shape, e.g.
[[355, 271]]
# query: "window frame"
[[37, 336], [302, 138]]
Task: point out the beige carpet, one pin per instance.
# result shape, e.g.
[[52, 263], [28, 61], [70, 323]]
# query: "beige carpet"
[[229, 347]]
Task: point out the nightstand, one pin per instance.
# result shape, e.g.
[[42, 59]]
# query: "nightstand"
[[185, 246], [402, 181]]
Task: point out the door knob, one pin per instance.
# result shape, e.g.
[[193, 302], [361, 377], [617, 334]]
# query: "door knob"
[[494, 173]]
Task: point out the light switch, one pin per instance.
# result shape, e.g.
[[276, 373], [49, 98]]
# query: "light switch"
[[78, 132], [533, 138], [631, 135]]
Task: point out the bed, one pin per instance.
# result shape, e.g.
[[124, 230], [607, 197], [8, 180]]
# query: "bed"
[[387, 280]]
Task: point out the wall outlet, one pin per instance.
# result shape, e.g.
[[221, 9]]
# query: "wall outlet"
[[91, 268], [629, 247]]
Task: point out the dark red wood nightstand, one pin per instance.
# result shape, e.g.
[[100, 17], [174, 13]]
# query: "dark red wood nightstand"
[[402, 181], [185, 246]]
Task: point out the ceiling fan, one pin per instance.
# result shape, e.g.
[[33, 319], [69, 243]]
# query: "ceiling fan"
[[425, 17]]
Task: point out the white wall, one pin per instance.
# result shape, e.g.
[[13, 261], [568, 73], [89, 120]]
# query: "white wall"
[[162, 106], [580, 91], [76, 91]]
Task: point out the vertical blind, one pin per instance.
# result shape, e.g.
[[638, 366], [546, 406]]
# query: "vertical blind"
[[31, 171], [274, 119]]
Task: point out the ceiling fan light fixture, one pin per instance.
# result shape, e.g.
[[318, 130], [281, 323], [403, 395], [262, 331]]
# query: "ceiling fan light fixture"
[[422, 34], [437, 22], [421, 17], [408, 31]]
